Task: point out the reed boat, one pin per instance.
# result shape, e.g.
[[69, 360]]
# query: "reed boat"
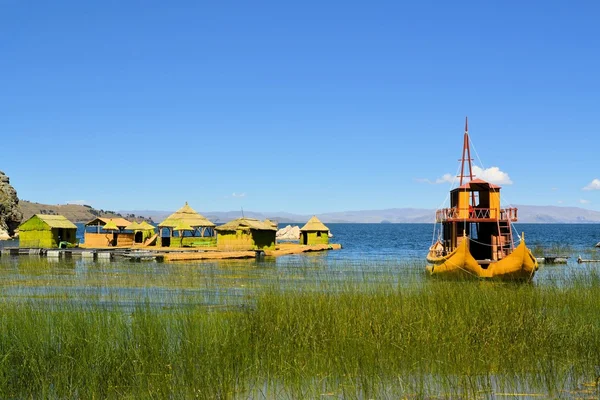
[[475, 235]]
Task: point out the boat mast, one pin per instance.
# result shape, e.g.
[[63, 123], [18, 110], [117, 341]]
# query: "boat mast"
[[466, 159], [466, 155]]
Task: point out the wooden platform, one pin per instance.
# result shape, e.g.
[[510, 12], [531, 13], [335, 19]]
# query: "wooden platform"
[[280, 250], [139, 253]]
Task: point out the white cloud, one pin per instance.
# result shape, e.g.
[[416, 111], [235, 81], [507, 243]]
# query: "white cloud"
[[492, 175], [446, 178], [554, 189], [593, 185], [238, 194], [560, 201], [582, 201], [77, 202]]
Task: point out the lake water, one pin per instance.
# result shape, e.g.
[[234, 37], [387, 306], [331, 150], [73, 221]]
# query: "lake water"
[[390, 253]]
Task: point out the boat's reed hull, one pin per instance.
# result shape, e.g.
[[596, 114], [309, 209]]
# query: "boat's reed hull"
[[519, 265]]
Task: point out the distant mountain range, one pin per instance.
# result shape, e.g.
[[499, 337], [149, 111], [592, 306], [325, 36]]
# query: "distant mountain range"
[[73, 212], [527, 214]]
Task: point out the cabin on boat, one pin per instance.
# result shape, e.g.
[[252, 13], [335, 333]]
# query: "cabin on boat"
[[475, 214], [314, 232], [186, 228], [246, 234], [103, 232], [47, 231]]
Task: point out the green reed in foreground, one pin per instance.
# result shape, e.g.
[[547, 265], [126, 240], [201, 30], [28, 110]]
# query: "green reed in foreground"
[[449, 339]]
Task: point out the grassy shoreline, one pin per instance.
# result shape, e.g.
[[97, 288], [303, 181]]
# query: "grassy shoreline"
[[442, 339]]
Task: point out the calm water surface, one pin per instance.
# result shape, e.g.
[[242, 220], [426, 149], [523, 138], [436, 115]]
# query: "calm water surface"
[[372, 254]]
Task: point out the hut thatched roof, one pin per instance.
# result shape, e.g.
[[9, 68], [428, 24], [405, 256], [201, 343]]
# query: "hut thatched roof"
[[146, 226], [314, 225], [246, 224], [182, 226], [53, 221], [133, 226], [110, 226], [121, 223], [187, 215], [272, 223]]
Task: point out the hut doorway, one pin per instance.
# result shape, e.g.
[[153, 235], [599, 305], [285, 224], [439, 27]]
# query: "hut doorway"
[[139, 237], [305, 238], [165, 241]]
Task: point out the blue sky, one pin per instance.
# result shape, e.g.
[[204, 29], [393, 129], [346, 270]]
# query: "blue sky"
[[303, 107]]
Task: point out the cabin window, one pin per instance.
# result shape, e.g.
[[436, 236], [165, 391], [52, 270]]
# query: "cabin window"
[[318, 234]]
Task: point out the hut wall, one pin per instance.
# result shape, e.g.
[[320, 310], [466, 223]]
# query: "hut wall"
[[97, 239], [68, 235], [147, 234], [193, 241], [238, 240], [264, 240], [313, 238], [125, 239], [37, 239]]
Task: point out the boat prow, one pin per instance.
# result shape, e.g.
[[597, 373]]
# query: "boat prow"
[[518, 265]]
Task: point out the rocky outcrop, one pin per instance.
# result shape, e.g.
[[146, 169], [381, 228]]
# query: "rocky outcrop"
[[288, 233], [10, 214]]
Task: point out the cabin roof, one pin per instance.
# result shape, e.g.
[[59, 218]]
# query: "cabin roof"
[[186, 215], [247, 224], [478, 184], [314, 225]]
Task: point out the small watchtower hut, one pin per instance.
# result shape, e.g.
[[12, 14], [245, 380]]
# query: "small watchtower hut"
[[314, 232], [46, 231], [201, 234]]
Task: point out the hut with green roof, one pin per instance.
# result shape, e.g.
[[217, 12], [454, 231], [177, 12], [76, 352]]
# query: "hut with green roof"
[[246, 234], [47, 231], [141, 231], [314, 232], [202, 233]]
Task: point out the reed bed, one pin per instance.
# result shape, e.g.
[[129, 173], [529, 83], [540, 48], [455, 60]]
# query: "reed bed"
[[371, 338]]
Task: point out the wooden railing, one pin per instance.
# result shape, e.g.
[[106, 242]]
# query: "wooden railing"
[[445, 214]]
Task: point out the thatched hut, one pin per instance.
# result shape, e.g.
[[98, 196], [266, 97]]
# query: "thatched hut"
[[202, 234], [96, 235], [141, 231], [246, 234], [314, 232], [46, 231]]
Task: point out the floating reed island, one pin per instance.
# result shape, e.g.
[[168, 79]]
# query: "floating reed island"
[[184, 235]]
